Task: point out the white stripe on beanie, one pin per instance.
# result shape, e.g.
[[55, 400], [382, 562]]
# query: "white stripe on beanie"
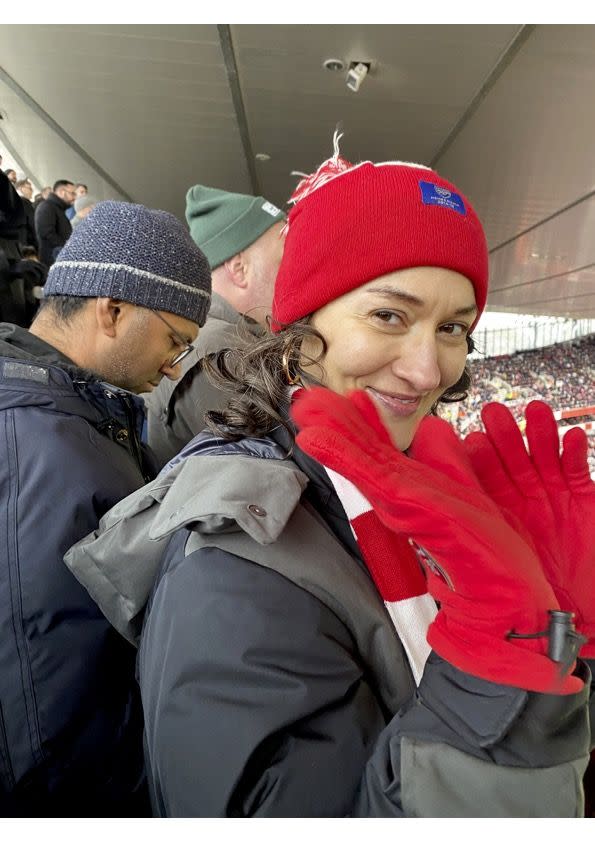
[[132, 270]]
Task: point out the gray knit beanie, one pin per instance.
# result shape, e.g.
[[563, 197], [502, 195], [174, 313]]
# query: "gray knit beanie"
[[135, 254]]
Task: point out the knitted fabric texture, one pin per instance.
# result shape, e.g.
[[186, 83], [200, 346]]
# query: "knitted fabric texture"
[[223, 224], [135, 254], [351, 224], [395, 570]]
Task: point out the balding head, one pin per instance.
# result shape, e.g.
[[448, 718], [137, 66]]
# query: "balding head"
[[247, 279]]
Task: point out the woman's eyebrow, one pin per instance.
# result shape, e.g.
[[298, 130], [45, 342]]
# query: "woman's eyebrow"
[[391, 292]]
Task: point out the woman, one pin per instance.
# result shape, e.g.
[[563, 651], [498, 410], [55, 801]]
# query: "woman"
[[283, 662]]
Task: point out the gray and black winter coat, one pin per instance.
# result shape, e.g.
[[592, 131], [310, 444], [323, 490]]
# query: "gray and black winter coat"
[[273, 682]]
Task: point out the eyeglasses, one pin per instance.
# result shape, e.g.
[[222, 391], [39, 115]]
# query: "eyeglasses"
[[188, 346]]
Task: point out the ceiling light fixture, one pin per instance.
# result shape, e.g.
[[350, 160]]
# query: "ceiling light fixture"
[[334, 64]]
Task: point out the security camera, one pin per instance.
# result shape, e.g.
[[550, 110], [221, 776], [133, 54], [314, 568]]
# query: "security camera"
[[356, 76]]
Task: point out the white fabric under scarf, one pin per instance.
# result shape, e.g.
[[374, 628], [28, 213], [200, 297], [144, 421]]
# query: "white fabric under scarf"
[[395, 571]]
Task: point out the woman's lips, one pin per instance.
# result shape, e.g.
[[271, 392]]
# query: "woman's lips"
[[400, 405]]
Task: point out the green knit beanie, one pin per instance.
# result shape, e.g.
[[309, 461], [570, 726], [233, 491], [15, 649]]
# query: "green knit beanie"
[[223, 224]]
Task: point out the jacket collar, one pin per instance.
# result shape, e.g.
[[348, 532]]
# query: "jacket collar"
[[20, 343], [320, 492], [221, 309], [42, 376]]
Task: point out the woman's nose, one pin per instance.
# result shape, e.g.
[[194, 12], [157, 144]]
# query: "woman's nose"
[[417, 363]]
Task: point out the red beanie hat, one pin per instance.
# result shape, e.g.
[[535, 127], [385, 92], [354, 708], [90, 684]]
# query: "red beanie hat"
[[351, 224]]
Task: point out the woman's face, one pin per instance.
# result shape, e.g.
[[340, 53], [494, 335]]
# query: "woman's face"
[[402, 338]]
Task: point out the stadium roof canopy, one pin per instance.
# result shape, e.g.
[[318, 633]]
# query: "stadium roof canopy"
[[142, 112]]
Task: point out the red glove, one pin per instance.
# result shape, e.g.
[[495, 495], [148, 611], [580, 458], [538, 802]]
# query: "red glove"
[[488, 581], [550, 493]]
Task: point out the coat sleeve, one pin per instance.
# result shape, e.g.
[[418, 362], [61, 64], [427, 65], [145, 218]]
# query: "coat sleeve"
[[45, 225], [469, 747], [256, 704], [12, 211]]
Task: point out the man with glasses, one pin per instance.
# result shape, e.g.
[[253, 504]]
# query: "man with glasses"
[[122, 305], [51, 225]]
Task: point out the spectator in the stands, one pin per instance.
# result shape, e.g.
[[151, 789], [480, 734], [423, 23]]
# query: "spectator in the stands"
[[80, 190], [11, 175], [39, 197], [25, 190], [82, 207], [51, 225], [20, 277]]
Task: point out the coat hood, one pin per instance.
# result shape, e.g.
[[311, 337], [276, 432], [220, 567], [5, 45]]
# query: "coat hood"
[[119, 562]]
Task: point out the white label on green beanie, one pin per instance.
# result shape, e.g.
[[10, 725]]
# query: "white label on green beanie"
[[269, 208]]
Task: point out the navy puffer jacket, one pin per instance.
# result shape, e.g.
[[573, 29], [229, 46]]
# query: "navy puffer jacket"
[[70, 722]]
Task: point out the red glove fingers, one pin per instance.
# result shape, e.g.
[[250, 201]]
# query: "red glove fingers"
[[327, 419], [551, 494], [575, 465], [544, 444], [504, 434]]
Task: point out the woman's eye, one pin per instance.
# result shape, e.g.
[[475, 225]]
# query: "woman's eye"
[[389, 317], [455, 329]]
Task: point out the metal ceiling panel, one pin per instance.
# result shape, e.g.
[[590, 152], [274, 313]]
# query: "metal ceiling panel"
[[505, 111], [560, 245], [36, 145], [527, 151], [421, 80], [563, 295], [150, 104], [550, 267]]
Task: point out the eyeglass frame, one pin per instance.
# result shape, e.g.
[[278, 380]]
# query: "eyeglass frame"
[[189, 347]]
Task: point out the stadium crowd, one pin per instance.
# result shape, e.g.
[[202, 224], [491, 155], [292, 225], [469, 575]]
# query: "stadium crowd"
[[33, 230], [562, 374]]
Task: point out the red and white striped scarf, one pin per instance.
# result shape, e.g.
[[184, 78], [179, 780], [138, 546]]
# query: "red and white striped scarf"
[[395, 570]]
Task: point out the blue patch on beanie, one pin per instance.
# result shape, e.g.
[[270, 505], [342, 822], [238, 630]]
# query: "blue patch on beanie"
[[433, 194]]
